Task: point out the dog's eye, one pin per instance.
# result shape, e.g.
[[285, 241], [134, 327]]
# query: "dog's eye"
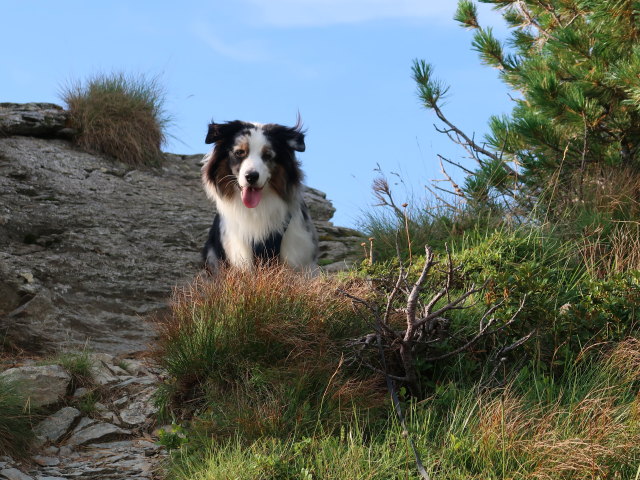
[[268, 155], [240, 153]]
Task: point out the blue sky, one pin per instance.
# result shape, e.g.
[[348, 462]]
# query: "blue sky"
[[345, 65]]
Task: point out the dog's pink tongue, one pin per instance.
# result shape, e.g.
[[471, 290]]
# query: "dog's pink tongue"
[[251, 196]]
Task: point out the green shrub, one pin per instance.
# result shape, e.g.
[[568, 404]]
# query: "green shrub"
[[119, 115], [565, 304], [15, 422]]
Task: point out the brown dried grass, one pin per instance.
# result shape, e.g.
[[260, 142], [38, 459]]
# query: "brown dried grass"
[[271, 304], [587, 437], [266, 343], [624, 359], [612, 243], [617, 252], [119, 115]]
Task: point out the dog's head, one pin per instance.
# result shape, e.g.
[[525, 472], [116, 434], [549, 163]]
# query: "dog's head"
[[249, 157]]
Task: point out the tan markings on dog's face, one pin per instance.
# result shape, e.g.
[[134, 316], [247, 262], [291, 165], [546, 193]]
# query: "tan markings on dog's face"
[[278, 181], [241, 148], [267, 153]]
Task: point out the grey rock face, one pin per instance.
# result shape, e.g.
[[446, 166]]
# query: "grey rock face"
[[320, 208], [103, 244], [42, 385], [94, 449], [138, 412], [54, 427], [46, 461], [36, 119], [89, 246]]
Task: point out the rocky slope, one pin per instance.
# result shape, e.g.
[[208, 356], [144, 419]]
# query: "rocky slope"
[[90, 246], [105, 430]]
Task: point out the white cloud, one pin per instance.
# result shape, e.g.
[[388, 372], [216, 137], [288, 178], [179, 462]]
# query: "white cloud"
[[240, 48], [305, 13]]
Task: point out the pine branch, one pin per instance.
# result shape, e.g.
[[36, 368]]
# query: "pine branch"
[[455, 164], [490, 49], [430, 90], [467, 14]]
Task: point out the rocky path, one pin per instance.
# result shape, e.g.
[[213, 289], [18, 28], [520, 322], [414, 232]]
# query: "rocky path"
[[105, 430]]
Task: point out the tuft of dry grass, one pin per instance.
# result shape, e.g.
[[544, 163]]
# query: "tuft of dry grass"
[[607, 214], [589, 431], [270, 311], [261, 351], [119, 115], [624, 359], [618, 251]]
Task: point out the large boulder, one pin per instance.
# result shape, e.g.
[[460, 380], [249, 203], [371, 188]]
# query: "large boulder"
[[96, 432]]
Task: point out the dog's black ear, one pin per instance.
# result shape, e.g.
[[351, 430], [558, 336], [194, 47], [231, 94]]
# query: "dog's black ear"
[[297, 141], [293, 136], [213, 134], [218, 131]]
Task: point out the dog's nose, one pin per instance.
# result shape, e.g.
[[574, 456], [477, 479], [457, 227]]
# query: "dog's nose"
[[252, 177]]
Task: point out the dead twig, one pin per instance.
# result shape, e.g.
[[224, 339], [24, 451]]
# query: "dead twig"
[[425, 320]]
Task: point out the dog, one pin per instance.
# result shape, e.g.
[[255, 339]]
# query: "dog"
[[253, 176]]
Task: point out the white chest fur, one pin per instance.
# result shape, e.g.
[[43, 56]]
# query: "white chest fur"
[[241, 228]]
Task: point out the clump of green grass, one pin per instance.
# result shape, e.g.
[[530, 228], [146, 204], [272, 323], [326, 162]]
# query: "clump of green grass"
[[260, 352], [87, 403], [120, 115], [581, 425], [79, 364], [349, 455], [15, 422]]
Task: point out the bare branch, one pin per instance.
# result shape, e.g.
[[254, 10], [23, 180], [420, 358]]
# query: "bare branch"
[[467, 142], [372, 309], [420, 334], [455, 164], [382, 192], [413, 296], [447, 191], [482, 333], [451, 305], [516, 344], [396, 288], [452, 207]]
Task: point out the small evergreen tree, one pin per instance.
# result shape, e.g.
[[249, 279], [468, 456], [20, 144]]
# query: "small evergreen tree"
[[574, 66]]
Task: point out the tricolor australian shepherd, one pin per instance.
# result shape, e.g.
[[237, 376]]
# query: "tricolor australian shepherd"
[[254, 178]]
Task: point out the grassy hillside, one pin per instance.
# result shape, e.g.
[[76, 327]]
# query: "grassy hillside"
[[509, 349], [267, 381]]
